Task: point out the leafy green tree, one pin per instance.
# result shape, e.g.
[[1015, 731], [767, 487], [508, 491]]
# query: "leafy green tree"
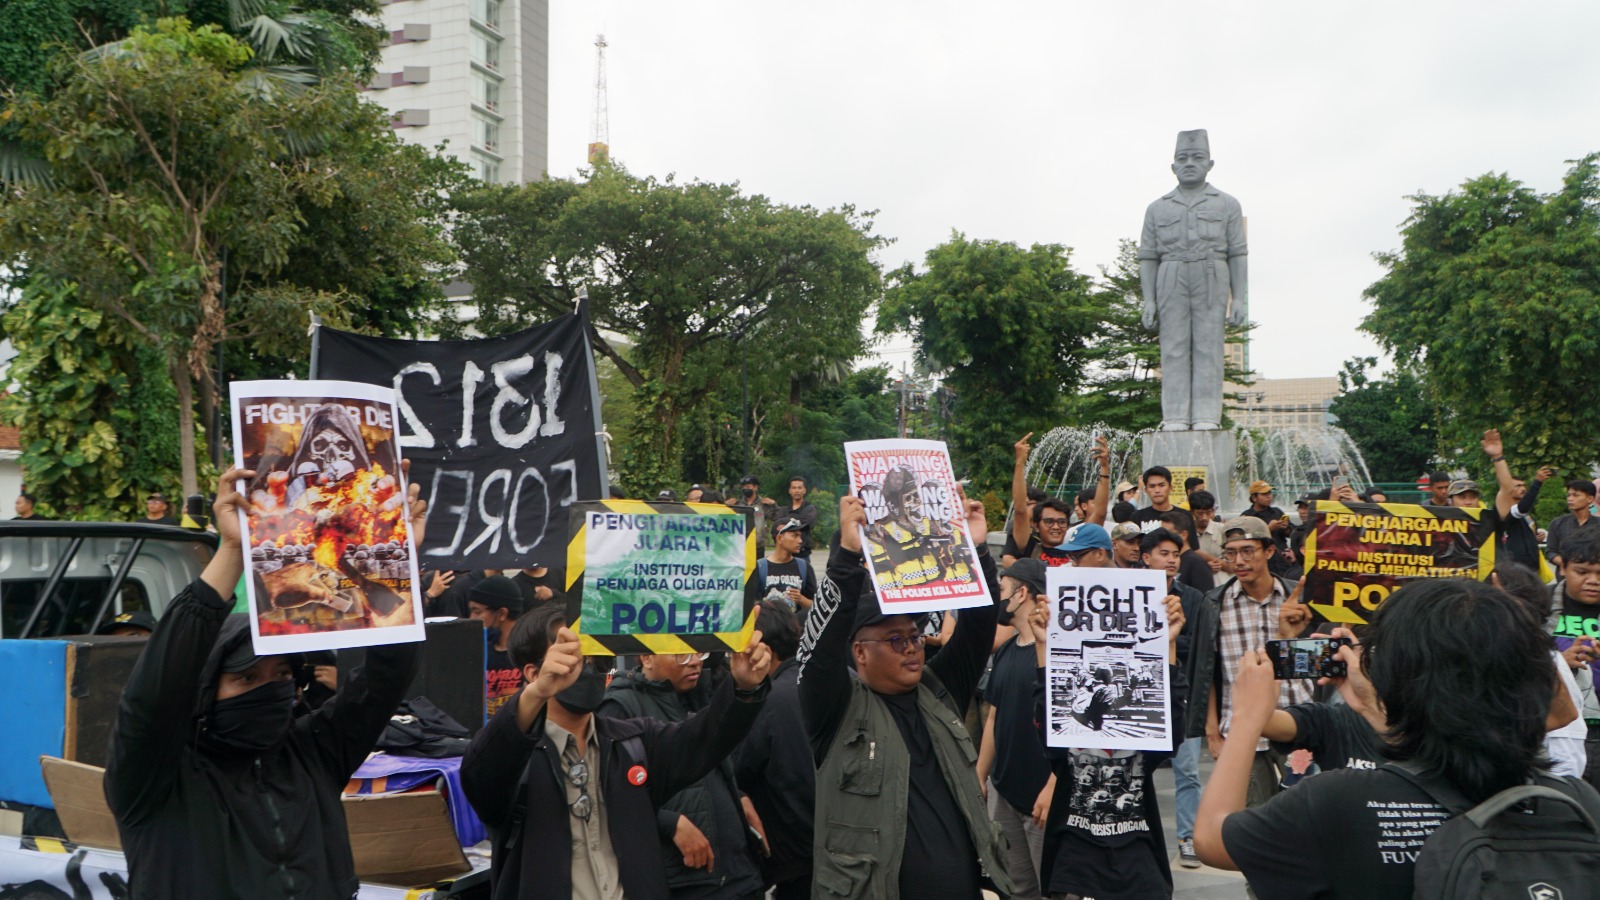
[[1010, 327], [1495, 296], [1391, 420], [693, 276], [177, 164]]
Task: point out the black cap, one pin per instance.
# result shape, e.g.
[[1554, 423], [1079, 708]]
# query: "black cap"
[[1028, 571], [667, 496], [497, 592], [139, 618], [749, 479], [869, 612]]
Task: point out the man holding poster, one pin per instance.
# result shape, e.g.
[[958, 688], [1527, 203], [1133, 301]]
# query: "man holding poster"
[[921, 556], [898, 809]]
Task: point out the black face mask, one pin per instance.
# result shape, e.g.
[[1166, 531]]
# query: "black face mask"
[[254, 720], [586, 693], [1006, 616]]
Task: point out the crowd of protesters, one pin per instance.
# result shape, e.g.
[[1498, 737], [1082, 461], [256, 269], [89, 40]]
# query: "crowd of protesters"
[[839, 755]]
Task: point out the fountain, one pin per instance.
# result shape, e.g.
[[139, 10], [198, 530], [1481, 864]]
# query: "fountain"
[[1296, 458]]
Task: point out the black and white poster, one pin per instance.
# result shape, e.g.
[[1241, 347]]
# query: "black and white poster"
[[503, 434], [1106, 681]]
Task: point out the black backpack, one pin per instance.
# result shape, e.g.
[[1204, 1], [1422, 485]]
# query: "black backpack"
[[1530, 842]]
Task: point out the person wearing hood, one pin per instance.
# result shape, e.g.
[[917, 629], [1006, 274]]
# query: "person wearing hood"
[[703, 828], [570, 798], [217, 790]]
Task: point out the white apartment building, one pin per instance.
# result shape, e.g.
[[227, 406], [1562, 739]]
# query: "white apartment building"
[[473, 75]]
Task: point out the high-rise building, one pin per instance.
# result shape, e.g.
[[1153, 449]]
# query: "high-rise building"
[[473, 75]]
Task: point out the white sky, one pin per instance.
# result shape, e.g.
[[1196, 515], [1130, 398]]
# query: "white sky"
[[1055, 121]]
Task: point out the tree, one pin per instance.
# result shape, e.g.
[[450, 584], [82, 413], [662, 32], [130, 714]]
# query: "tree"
[[1494, 297], [1009, 326], [1390, 420], [176, 164], [693, 276]]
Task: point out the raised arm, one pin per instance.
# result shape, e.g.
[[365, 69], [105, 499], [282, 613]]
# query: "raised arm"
[[825, 645], [1493, 446], [1021, 521], [1102, 490], [155, 715]]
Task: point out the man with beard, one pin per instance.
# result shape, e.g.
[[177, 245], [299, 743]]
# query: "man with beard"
[[216, 789], [571, 799]]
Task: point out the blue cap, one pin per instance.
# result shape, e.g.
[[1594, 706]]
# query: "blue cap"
[[1086, 536]]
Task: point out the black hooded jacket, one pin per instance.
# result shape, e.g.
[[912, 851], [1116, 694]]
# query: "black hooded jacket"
[[196, 822]]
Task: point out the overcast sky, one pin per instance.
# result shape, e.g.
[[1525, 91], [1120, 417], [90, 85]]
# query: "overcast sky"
[[1041, 122]]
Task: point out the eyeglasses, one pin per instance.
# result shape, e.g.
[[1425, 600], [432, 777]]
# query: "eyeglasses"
[[1241, 553], [578, 776], [899, 643], [1056, 522], [685, 659]]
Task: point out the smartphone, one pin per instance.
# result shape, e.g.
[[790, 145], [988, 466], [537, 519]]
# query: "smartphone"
[[1340, 482], [1307, 658]]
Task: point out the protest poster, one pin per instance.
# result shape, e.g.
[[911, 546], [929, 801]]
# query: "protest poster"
[[661, 577], [1106, 677], [916, 541], [503, 434], [1357, 554], [329, 560]]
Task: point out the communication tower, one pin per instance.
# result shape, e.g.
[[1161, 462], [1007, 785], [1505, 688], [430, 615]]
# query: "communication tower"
[[600, 134]]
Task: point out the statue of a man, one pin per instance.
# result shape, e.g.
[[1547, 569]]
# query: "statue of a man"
[[1191, 264]]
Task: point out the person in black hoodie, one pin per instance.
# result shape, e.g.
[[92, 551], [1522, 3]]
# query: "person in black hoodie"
[[546, 765], [773, 765], [216, 789], [704, 828]]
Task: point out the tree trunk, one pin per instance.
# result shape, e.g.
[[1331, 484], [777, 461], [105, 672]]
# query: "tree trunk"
[[185, 385]]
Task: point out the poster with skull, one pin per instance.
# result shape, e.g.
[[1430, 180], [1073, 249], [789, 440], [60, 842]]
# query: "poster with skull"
[[329, 559]]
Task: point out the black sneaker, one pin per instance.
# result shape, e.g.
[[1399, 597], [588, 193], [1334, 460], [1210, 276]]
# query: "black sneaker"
[[1186, 855]]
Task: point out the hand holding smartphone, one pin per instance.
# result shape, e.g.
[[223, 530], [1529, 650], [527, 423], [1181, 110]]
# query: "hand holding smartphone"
[[1307, 658]]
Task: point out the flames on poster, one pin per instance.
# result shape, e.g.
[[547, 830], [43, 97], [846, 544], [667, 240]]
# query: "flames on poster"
[[327, 539]]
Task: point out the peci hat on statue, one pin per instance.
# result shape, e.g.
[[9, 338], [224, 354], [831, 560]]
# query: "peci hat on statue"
[[1194, 140]]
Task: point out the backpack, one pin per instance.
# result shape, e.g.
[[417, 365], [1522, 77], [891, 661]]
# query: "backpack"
[[1497, 850]]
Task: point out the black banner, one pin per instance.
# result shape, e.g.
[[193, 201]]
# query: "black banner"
[[502, 434]]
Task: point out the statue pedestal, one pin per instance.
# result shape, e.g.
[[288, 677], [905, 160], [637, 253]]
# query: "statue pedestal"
[[1208, 454]]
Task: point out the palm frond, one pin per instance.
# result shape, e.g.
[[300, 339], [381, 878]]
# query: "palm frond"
[[20, 166], [273, 82]]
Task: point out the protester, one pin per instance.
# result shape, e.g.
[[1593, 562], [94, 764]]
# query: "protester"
[[1050, 520], [1460, 675], [1012, 552], [1566, 730], [570, 798], [216, 790], [1125, 540], [1575, 615], [497, 602], [1104, 839], [156, 510], [765, 507], [899, 812], [695, 494], [1261, 494], [1439, 484], [1087, 545], [1025, 542], [1580, 496], [1012, 769], [540, 584], [1192, 570], [1514, 504], [447, 590], [1157, 482], [1123, 508], [703, 827], [138, 623], [773, 763], [1207, 539], [1239, 614], [25, 508], [667, 495], [785, 573], [1162, 550], [798, 509], [1190, 485]]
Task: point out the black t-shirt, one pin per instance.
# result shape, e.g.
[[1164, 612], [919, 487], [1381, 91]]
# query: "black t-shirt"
[[551, 579], [1577, 619], [1352, 834], [1020, 768], [1269, 515], [1336, 735], [782, 576], [939, 861], [1051, 557], [1011, 546], [1106, 838], [501, 678], [1149, 518], [1193, 571], [164, 520]]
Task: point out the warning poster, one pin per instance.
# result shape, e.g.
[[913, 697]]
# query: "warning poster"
[[1357, 554], [921, 556]]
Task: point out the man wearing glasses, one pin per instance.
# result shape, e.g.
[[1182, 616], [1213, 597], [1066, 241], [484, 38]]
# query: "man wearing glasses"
[[898, 810], [1241, 614], [571, 799], [703, 828]]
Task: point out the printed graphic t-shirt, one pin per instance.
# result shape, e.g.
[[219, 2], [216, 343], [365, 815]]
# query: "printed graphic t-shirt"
[[1347, 835], [1575, 621], [1109, 805], [501, 678]]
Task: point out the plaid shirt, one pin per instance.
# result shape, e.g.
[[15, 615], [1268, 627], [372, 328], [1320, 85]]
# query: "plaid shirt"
[[1248, 625]]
